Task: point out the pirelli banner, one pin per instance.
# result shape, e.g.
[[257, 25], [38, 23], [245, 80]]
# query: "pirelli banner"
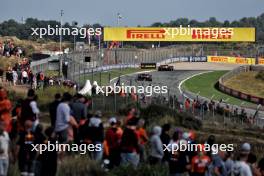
[[180, 34], [261, 61], [231, 60]]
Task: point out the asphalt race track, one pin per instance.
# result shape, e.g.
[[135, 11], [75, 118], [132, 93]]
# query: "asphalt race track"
[[172, 79]]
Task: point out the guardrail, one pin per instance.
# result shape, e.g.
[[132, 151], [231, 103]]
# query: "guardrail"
[[236, 93]]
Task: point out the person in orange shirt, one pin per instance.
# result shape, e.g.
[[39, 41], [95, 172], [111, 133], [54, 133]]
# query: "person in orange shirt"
[[187, 104], [143, 138], [113, 140], [199, 164], [5, 109]]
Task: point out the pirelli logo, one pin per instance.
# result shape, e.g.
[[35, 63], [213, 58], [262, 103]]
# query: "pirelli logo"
[[261, 61], [231, 60], [146, 34], [214, 33], [219, 59]]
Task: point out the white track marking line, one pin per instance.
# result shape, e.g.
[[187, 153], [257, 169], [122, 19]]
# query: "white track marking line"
[[182, 81]]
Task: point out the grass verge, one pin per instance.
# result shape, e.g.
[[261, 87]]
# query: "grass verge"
[[204, 84], [46, 96]]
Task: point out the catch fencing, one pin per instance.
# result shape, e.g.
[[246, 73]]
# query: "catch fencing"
[[212, 112]]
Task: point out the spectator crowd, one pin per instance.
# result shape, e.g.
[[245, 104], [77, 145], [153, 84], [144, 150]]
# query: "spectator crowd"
[[123, 141], [204, 108], [8, 48], [21, 74]]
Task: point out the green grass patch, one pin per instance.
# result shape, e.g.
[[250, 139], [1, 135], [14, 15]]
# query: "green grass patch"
[[204, 84], [103, 78], [52, 73], [46, 96]]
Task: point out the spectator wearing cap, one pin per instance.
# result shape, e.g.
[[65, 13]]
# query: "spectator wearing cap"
[[156, 147], [241, 167], [96, 135], [243, 158], [113, 142]]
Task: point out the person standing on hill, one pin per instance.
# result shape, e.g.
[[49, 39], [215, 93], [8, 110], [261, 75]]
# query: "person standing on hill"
[[241, 167], [165, 139], [29, 109], [63, 118], [4, 150], [130, 144], [79, 112], [113, 142], [15, 77], [24, 76], [53, 109], [5, 109], [96, 130], [143, 139], [156, 151]]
